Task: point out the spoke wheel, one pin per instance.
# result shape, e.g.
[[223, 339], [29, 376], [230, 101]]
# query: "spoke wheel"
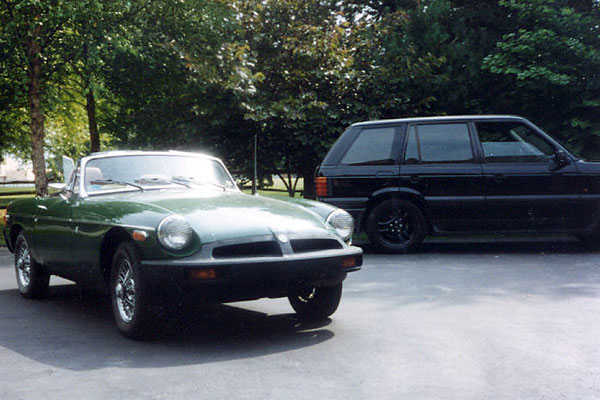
[[396, 226], [32, 278], [125, 291], [316, 303], [23, 265], [130, 307]]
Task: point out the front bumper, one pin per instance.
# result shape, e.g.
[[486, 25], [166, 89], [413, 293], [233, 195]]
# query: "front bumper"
[[250, 278]]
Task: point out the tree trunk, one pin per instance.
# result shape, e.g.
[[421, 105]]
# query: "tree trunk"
[[90, 107], [37, 116]]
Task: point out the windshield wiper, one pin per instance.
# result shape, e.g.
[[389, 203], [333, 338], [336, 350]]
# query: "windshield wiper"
[[163, 180], [190, 179], [110, 181]]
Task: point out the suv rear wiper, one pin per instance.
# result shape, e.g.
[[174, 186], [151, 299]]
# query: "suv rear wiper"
[[110, 181]]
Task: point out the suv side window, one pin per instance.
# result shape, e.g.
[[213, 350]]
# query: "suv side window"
[[373, 146], [512, 142], [438, 143]]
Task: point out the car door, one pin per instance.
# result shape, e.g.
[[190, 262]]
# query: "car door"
[[440, 163], [53, 231], [525, 190]]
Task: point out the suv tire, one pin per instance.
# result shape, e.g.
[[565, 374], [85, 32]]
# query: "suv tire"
[[396, 226]]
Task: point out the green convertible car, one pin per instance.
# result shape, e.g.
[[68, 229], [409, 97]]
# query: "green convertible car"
[[142, 225]]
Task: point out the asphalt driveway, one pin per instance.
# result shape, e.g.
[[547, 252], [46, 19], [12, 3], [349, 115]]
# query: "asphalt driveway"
[[463, 320]]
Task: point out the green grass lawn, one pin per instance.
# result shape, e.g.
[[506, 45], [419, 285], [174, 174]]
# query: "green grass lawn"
[[5, 190], [278, 185], [4, 200], [274, 195]]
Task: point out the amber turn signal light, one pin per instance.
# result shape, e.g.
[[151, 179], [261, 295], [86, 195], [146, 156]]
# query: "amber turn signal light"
[[201, 274], [321, 186], [139, 236], [348, 262]]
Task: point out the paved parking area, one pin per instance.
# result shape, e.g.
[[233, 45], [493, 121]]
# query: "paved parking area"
[[463, 320]]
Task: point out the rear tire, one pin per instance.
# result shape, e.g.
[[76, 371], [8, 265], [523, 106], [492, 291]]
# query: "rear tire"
[[128, 298], [316, 303], [396, 226], [32, 277]]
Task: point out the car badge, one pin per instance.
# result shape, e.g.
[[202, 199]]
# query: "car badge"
[[282, 238]]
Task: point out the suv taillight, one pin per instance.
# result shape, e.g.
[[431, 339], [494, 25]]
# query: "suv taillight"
[[321, 183]]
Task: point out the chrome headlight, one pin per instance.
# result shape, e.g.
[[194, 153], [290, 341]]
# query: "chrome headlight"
[[174, 232], [342, 222]]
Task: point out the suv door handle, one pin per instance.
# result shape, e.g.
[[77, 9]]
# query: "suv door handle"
[[415, 179]]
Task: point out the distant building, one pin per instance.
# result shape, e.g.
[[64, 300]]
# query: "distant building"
[[13, 169]]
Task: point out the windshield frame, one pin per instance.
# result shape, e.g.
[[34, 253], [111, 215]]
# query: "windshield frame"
[[113, 154]]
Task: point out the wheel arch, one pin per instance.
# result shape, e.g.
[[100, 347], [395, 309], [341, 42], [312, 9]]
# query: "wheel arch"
[[400, 193], [13, 235], [110, 242]]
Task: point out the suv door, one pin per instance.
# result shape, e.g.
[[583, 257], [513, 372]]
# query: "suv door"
[[440, 164], [525, 189]]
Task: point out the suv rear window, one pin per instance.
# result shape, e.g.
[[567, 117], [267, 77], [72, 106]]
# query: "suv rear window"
[[373, 146], [438, 143]]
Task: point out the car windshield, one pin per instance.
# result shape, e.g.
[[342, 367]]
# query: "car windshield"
[[155, 171]]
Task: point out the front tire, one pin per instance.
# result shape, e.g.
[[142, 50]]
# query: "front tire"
[[32, 277], [396, 226], [316, 303], [128, 299]]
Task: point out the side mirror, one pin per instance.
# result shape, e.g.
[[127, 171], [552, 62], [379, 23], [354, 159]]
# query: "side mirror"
[[559, 160]]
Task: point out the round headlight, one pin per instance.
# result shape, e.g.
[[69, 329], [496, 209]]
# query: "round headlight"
[[174, 233], [342, 222]]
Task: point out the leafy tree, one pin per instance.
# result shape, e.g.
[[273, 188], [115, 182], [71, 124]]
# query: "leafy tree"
[[38, 31], [548, 68], [108, 23], [171, 70], [300, 63]]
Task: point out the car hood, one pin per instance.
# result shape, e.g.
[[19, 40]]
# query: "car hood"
[[216, 215]]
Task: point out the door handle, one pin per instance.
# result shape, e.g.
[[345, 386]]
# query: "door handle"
[[415, 179]]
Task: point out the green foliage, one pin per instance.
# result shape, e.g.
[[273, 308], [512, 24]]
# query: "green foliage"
[[549, 68], [209, 75]]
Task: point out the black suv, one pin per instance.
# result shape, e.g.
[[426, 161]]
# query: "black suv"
[[406, 178]]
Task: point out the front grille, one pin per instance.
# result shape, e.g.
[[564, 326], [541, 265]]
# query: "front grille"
[[308, 245], [253, 249]]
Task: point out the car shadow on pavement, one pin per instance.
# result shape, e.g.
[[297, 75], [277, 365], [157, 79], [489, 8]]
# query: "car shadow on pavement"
[[74, 329]]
